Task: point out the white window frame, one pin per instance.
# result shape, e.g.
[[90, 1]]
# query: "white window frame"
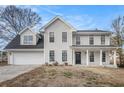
[[64, 36], [51, 55], [103, 56], [91, 56], [28, 39], [64, 55], [102, 39], [77, 40], [51, 37], [91, 40]]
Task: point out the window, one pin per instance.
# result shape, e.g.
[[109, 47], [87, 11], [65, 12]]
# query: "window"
[[91, 56], [64, 55], [51, 36], [28, 40], [103, 56], [102, 40], [77, 40], [51, 54], [64, 36], [91, 40]]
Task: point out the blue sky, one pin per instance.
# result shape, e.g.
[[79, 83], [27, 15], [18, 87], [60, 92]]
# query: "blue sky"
[[81, 16]]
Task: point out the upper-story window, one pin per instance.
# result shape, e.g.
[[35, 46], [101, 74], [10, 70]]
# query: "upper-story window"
[[77, 40], [91, 40], [64, 36], [51, 37], [28, 40], [103, 40]]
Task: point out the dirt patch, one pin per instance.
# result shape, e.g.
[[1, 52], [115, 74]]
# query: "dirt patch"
[[67, 76]]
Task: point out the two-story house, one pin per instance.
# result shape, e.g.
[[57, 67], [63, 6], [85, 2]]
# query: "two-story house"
[[60, 42]]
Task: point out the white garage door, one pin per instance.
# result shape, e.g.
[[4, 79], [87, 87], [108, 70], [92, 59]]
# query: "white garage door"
[[28, 58]]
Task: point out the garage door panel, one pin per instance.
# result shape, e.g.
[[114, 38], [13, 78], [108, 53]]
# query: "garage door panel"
[[28, 58]]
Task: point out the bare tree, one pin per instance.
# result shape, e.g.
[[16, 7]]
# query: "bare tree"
[[13, 19], [118, 27]]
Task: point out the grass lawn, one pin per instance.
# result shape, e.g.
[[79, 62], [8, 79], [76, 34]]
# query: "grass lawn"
[[68, 76]]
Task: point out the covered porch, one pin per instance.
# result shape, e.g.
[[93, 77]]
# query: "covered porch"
[[95, 56]]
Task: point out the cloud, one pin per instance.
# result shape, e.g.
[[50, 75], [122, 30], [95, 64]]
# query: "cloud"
[[81, 21], [52, 12]]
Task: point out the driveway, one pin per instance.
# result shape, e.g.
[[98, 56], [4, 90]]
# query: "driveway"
[[11, 71]]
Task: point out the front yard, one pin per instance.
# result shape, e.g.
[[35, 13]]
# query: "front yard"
[[68, 76]]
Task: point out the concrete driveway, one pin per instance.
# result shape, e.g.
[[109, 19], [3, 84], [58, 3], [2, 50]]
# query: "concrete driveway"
[[11, 71]]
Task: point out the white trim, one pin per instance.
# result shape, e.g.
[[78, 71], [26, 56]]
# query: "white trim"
[[54, 19], [115, 58], [92, 47], [24, 49], [101, 57], [26, 30], [87, 56]]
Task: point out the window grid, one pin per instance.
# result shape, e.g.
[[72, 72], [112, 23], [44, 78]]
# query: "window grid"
[[91, 40], [77, 40], [52, 55], [64, 55], [91, 56], [103, 40], [51, 36], [64, 36], [28, 40], [103, 56]]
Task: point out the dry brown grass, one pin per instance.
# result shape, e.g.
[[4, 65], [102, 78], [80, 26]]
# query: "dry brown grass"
[[68, 76], [3, 63]]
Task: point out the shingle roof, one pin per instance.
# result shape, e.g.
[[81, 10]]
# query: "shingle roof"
[[15, 44], [92, 31]]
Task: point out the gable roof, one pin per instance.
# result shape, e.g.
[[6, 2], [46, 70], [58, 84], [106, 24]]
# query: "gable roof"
[[15, 44], [54, 19], [25, 29]]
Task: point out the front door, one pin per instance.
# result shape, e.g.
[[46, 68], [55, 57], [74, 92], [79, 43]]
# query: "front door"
[[78, 57]]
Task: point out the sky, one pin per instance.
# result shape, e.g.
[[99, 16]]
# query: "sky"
[[81, 16]]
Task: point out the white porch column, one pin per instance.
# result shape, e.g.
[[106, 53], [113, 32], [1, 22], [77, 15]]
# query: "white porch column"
[[73, 57], [101, 57], [87, 57], [115, 64]]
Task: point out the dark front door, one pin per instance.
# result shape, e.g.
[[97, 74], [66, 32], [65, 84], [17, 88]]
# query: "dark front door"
[[78, 57]]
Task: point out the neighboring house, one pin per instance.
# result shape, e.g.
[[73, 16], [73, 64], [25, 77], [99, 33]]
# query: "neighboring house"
[[60, 42]]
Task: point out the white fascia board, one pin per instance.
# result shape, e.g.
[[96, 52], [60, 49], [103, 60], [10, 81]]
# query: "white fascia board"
[[55, 18], [25, 30]]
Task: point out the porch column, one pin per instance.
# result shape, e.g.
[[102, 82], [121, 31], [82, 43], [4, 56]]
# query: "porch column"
[[73, 57], [115, 64], [101, 57], [87, 57]]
